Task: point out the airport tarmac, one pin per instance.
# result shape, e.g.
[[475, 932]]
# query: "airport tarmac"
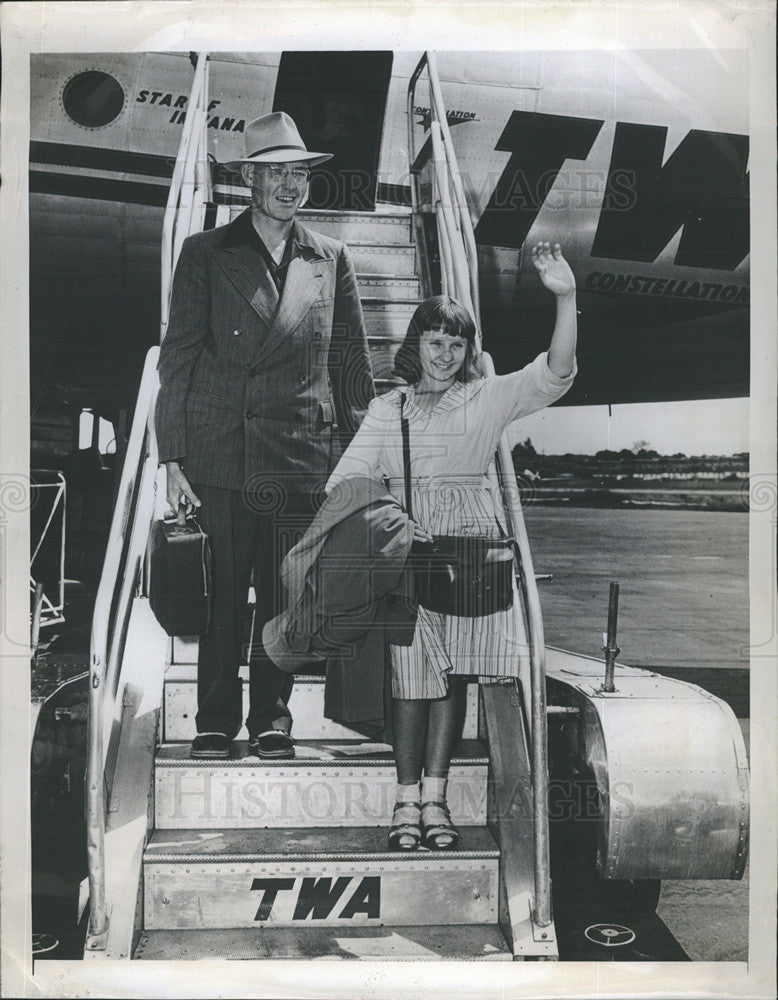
[[683, 611], [683, 579]]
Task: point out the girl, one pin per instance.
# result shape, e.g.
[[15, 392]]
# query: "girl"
[[455, 420]]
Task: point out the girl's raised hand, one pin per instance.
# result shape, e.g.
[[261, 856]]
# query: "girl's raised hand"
[[553, 269]]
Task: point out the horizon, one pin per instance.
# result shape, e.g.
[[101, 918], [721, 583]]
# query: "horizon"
[[619, 451], [695, 427]]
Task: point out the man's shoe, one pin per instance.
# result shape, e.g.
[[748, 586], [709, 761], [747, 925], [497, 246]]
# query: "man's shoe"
[[210, 745], [272, 743]]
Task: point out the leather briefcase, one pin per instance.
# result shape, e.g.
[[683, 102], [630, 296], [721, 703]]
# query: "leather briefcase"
[[180, 577]]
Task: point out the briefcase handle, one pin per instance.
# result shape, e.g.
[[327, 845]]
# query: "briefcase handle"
[[181, 516]]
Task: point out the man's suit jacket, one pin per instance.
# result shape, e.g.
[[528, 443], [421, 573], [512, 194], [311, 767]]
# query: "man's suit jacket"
[[253, 389]]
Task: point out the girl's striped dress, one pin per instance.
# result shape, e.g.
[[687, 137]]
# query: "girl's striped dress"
[[451, 450]]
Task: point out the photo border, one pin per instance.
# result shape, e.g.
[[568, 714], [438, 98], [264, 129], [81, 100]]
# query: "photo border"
[[580, 24]]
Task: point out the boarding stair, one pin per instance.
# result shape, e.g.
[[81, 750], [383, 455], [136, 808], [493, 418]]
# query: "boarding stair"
[[252, 858]]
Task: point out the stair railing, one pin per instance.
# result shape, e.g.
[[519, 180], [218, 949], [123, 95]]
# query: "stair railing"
[[113, 604], [190, 189], [122, 571], [459, 279]]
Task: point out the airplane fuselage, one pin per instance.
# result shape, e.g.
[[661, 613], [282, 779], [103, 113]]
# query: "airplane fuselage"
[[635, 162]]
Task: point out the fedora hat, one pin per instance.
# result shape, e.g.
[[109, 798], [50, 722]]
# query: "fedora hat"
[[274, 139]]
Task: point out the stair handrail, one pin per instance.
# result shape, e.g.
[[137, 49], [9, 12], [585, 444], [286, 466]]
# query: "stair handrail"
[[459, 274], [134, 511], [121, 569], [190, 188]]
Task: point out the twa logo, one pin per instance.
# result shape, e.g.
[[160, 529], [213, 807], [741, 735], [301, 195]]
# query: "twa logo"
[[318, 898]]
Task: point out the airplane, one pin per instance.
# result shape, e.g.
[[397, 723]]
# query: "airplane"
[[636, 162]]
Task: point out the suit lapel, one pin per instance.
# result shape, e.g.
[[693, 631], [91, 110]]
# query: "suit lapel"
[[303, 281], [265, 299], [248, 273]]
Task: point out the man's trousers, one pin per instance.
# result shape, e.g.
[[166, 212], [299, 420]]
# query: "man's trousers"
[[249, 531]]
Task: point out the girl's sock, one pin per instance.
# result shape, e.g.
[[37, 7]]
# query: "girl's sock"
[[433, 789], [407, 793], [440, 834]]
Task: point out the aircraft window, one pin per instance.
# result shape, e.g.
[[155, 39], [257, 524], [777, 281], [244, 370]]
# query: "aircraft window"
[[93, 98]]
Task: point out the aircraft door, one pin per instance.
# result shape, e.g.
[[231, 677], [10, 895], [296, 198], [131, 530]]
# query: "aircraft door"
[[338, 100]]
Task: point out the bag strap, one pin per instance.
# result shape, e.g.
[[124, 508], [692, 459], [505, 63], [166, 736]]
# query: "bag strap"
[[205, 557], [406, 455]]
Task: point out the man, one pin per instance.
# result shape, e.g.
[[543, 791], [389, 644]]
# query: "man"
[[264, 377]]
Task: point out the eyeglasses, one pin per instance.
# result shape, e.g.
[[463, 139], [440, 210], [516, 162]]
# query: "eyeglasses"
[[281, 173]]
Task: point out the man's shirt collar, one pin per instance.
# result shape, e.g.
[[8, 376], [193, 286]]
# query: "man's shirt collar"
[[301, 242]]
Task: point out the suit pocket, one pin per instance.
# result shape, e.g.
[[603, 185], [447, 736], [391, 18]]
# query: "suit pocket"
[[327, 432], [315, 421], [325, 413]]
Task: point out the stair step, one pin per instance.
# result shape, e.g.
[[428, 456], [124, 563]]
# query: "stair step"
[[381, 259], [469, 942], [306, 705], [389, 287], [327, 784], [330, 875], [290, 845], [387, 320], [382, 352], [386, 324], [354, 228], [379, 242]]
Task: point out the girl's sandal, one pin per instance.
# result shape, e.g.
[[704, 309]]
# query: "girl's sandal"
[[405, 831], [439, 833]]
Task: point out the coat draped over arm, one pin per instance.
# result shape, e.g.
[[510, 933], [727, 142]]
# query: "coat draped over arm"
[[348, 596]]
